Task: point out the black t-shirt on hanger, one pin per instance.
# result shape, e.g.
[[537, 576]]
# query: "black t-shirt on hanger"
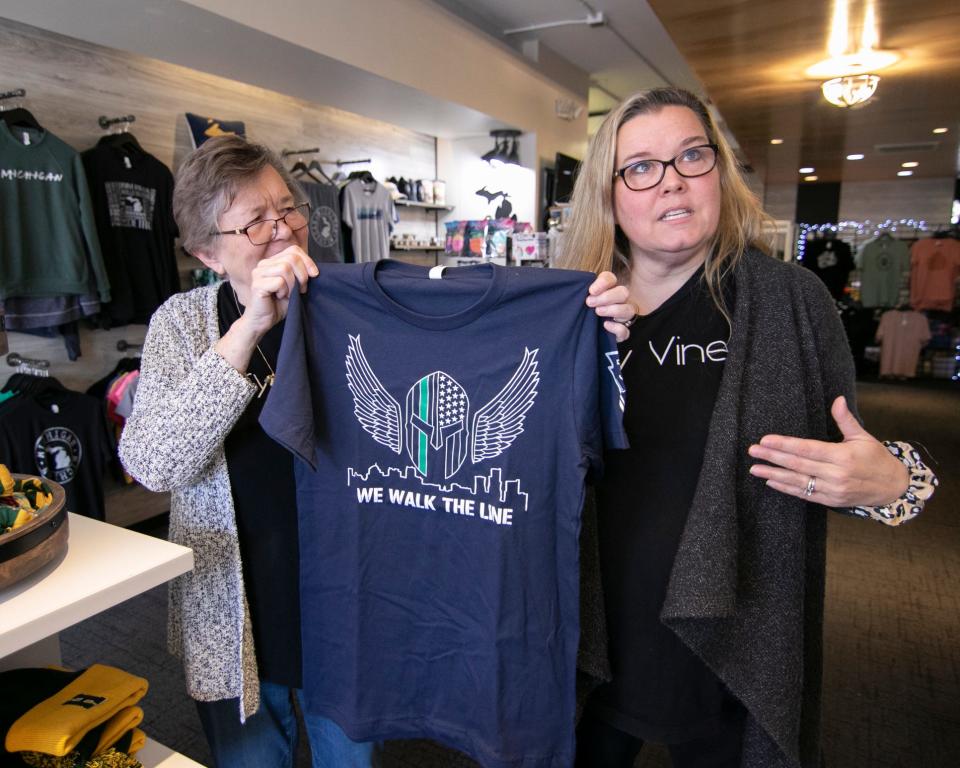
[[661, 691], [830, 260], [264, 497], [132, 196], [61, 435]]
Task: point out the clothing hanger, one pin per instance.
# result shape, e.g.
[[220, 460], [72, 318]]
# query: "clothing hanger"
[[20, 118], [315, 166], [364, 176]]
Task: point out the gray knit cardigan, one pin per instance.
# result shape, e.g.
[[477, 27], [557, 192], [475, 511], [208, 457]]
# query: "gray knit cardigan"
[[747, 585], [188, 400]]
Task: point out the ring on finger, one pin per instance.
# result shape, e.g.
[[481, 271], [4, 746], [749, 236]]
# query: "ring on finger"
[[811, 486]]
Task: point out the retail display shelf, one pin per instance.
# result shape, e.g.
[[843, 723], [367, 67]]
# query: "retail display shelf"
[[103, 566], [154, 755], [416, 247], [430, 206]]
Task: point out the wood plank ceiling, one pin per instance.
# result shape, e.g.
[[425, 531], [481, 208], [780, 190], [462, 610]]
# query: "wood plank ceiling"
[[751, 56]]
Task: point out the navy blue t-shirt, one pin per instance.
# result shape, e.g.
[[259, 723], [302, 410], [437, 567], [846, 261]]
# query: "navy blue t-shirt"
[[444, 429]]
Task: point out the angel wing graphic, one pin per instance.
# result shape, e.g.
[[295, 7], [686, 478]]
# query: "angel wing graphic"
[[435, 424]]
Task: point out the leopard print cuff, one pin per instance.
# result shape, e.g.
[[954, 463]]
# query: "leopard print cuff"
[[921, 486]]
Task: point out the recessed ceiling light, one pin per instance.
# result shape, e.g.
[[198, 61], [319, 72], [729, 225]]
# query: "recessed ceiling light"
[[857, 156], [940, 130], [809, 178], [776, 141], [806, 169], [911, 164], [904, 173]]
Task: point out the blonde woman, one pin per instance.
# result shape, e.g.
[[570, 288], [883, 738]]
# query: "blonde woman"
[[713, 566]]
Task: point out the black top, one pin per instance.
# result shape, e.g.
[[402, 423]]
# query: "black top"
[[61, 435], [830, 260], [264, 496], [324, 227], [660, 690], [132, 195]]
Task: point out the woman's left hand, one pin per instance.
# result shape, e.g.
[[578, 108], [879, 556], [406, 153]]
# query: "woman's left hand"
[[610, 300], [858, 472]]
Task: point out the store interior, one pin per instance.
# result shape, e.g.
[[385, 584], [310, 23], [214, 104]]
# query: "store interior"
[[474, 117]]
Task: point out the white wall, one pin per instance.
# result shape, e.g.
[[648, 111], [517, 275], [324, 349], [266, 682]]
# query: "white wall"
[[459, 163], [930, 200]]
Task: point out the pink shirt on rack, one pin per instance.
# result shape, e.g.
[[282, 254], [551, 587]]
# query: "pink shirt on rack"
[[934, 269], [902, 336]]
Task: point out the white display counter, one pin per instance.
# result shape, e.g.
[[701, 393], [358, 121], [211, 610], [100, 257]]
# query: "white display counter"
[[103, 566]]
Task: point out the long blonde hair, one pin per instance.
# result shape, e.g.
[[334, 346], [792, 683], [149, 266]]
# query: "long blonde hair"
[[593, 241]]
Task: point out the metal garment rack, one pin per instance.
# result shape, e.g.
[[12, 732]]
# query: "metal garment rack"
[[315, 150], [124, 121], [16, 93], [27, 365]]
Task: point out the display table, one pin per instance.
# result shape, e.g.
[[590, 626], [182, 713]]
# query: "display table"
[[103, 566]]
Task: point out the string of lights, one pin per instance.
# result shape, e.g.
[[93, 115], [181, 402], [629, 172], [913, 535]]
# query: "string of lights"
[[859, 229]]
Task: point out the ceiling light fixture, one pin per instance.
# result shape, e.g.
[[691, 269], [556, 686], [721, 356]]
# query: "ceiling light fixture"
[[909, 164], [850, 76], [810, 178], [850, 91], [857, 156], [807, 169], [506, 148], [904, 173], [780, 141], [940, 130]]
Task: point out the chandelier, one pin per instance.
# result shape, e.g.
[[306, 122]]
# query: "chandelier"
[[851, 90]]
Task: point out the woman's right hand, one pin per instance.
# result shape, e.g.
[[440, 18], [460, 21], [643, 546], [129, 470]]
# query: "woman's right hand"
[[272, 282]]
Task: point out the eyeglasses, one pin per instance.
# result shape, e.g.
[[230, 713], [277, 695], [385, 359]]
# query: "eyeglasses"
[[264, 231], [692, 162]]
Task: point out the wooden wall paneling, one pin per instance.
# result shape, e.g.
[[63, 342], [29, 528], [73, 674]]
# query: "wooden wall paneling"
[[70, 83]]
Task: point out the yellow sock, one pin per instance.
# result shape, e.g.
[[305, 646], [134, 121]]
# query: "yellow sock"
[[56, 725], [116, 726]]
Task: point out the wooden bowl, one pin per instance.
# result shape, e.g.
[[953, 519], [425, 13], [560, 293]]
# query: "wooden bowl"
[[37, 543]]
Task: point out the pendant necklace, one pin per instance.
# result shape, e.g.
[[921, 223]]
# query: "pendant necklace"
[[268, 380]]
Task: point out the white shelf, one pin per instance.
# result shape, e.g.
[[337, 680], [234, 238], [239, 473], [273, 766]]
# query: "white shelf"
[[154, 755], [104, 565], [417, 247], [429, 206]]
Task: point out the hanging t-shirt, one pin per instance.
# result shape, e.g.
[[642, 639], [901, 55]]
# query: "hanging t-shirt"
[[830, 260], [132, 195], [882, 264], [370, 213], [61, 435], [672, 365], [48, 238], [934, 269], [324, 226], [902, 336], [444, 430]]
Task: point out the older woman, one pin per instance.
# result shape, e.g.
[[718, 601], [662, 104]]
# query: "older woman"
[[208, 361], [713, 569]]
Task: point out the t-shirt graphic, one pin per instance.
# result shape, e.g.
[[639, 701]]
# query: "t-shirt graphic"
[[443, 440], [324, 225], [130, 205]]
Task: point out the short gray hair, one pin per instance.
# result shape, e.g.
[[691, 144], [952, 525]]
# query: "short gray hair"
[[209, 179]]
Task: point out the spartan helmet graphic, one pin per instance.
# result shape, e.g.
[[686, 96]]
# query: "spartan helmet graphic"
[[436, 420]]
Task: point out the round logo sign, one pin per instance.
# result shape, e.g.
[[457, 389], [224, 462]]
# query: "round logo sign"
[[324, 227], [57, 453]]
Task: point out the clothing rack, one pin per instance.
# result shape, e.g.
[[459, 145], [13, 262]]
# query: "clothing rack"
[[105, 122], [16, 93], [123, 345], [26, 365], [314, 150]]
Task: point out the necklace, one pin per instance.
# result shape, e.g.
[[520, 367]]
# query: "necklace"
[[268, 380]]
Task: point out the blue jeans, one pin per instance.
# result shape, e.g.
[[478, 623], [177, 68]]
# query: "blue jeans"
[[269, 738]]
